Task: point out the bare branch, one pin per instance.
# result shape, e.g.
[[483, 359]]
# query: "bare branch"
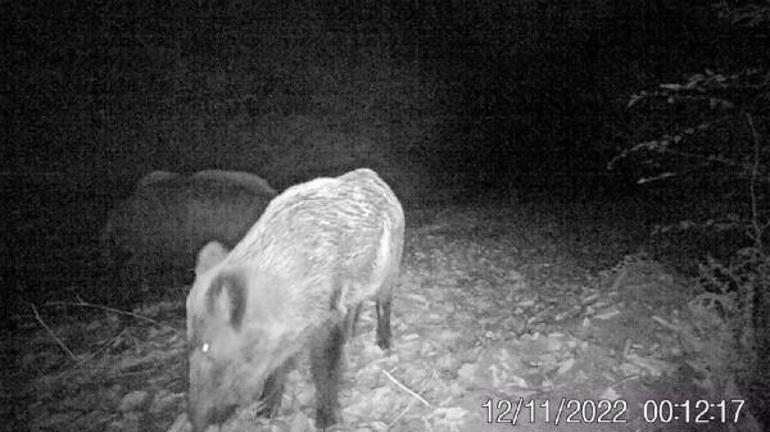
[[52, 334]]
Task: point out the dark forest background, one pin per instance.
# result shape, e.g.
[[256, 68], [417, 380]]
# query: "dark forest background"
[[449, 101], [450, 95]]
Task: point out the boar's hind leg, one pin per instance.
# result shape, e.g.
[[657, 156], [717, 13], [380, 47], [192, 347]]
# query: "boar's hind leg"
[[273, 390], [383, 301], [326, 359], [383, 323], [351, 319]]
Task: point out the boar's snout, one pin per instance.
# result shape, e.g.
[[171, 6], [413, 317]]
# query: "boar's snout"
[[202, 414]]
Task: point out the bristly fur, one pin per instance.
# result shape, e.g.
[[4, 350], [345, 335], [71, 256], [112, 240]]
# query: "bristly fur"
[[295, 282]]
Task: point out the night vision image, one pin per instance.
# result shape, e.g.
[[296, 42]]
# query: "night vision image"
[[370, 216]]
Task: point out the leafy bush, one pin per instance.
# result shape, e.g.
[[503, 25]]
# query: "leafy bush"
[[714, 142]]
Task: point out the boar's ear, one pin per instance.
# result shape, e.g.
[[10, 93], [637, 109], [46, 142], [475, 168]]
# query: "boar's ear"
[[226, 298], [209, 256]]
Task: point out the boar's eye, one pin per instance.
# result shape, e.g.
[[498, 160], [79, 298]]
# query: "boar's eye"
[[205, 348]]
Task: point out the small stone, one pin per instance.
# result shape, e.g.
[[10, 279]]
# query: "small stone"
[[133, 401]]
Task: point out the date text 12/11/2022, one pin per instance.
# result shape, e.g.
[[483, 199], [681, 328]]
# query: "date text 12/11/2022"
[[606, 411]]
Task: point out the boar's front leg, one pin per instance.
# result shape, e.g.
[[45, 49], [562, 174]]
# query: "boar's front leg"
[[326, 358], [383, 323], [272, 393]]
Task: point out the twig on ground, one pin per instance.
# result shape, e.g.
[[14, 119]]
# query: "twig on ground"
[[82, 303], [52, 334], [406, 389]]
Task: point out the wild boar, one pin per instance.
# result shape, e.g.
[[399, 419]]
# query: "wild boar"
[[156, 232], [237, 177], [295, 282], [155, 177]]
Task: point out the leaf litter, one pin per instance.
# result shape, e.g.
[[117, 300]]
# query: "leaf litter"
[[487, 315]]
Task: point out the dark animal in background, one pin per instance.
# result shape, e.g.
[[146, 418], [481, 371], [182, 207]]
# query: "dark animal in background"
[[155, 234], [155, 177], [295, 282], [237, 177]]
